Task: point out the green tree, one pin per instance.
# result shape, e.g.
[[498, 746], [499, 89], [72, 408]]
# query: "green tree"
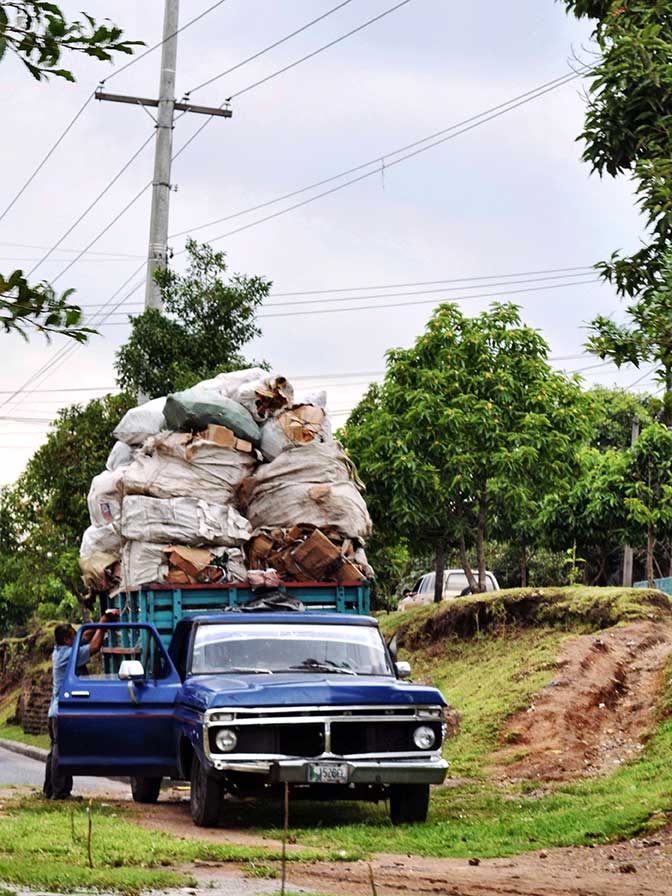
[[39, 33], [648, 490], [613, 413], [207, 321], [24, 307], [469, 419]]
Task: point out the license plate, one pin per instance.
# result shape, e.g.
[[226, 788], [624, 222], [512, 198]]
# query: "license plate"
[[328, 773]]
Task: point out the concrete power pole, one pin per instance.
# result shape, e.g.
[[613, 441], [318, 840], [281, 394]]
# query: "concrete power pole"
[[157, 255], [628, 554]]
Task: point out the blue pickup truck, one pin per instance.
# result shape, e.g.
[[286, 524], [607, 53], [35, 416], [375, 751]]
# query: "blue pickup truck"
[[243, 703]]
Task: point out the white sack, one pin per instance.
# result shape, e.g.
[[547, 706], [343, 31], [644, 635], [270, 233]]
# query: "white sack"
[[142, 422], [104, 498], [185, 521], [100, 539], [141, 563], [270, 385], [317, 399], [227, 384], [314, 484], [120, 455], [179, 467], [275, 436]]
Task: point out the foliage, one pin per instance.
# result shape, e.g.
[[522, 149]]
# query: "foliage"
[[43, 515], [646, 339], [648, 489], [38, 307], [613, 413], [39, 33], [206, 324], [471, 418]]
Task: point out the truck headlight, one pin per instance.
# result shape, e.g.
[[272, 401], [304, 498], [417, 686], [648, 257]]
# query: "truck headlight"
[[226, 740], [424, 738]]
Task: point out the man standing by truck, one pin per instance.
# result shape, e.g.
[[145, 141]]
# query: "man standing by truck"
[[58, 786]]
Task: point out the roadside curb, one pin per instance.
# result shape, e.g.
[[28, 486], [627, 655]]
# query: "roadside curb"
[[25, 749]]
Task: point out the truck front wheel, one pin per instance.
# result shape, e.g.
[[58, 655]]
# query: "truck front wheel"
[[409, 803], [206, 796], [145, 790]]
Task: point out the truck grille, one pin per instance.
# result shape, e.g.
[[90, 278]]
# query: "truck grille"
[[310, 732]]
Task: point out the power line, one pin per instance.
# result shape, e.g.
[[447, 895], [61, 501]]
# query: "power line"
[[286, 68], [507, 106], [422, 292], [580, 271], [48, 155], [272, 46], [73, 251], [434, 301], [162, 42], [79, 112], [89, 208], [404, 158]]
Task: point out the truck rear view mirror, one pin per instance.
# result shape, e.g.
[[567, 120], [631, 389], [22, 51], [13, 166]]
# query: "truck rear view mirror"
[[131, 670], [403, 669]]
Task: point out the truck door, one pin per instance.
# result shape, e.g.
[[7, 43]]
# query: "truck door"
[[116, 714]]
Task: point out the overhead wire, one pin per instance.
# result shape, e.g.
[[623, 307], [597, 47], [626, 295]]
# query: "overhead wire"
[[267, 49], [451, 136], [286, 68], [86, 102], [504, 107]]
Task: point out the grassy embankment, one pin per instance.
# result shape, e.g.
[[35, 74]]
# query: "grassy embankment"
[[489, 655]]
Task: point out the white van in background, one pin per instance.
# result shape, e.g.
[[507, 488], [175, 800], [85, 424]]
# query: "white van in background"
[[455, 584]]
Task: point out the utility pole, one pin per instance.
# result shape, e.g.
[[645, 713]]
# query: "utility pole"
[[627, 550], [157, 253]]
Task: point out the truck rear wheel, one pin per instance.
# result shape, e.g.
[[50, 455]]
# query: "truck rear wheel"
[[206, 796], [409, 803], [145, 790]]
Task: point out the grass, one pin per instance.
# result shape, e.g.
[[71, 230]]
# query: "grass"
[[15, 732], [38, 850]]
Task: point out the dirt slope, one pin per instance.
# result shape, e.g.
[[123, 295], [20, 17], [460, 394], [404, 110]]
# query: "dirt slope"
[[596, 712]]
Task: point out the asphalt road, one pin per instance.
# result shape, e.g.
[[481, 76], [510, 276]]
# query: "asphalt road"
[[18, 769]]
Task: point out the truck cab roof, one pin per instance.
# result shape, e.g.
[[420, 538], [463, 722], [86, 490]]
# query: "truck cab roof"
[[279, 617]]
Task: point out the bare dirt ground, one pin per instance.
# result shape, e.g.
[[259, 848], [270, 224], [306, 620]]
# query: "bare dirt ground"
[[596, 712]]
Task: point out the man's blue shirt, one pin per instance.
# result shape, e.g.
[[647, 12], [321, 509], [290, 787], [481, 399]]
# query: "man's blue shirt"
[[59, 660]]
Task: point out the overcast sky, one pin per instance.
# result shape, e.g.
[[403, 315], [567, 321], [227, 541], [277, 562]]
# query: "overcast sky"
[[508, 197]]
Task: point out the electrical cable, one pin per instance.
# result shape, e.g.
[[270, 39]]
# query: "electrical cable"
[[272, 46], [506, 106], [391, 164], [286, 68], [48, 155], [423, 292], [73, 251], [89, 208]]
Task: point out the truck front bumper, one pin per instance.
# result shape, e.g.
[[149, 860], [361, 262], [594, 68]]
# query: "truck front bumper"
[[379, 771]]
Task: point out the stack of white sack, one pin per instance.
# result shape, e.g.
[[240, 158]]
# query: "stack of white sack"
[[168, 504]]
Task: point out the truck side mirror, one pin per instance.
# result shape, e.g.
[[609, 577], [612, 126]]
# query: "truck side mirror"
[[392, 647], [403, 669], [131, 670]]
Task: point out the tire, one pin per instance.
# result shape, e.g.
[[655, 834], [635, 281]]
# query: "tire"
[[409, 803], [145, 790], [206, 796]]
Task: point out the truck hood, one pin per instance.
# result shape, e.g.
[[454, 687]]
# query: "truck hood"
[[302, 689]]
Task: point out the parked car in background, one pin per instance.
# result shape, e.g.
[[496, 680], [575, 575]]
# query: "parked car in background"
[[455, 584]]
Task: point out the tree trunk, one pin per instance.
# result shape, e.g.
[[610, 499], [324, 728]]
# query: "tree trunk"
[[650, 546], [669, 554], [523, 566], [466, 566], [480, 538], [439, 565]]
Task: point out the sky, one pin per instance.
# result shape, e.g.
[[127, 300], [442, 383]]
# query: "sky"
[[504, 199]]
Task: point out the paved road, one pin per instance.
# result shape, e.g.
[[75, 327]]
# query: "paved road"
[[17, 769]]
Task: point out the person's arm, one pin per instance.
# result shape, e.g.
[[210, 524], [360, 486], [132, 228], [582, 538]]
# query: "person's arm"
[[96, 641]]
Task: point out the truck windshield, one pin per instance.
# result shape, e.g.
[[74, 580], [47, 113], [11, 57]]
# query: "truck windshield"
[[265, 649]]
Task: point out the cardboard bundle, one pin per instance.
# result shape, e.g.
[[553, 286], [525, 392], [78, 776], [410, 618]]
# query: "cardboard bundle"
[[304, 553]]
